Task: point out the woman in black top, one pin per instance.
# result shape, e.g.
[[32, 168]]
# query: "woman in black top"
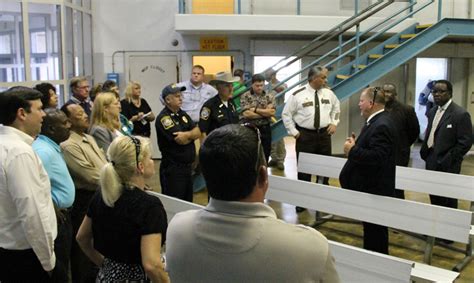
[[137, 110], [125, 227]]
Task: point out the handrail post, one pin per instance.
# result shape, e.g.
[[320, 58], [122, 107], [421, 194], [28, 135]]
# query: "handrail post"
[[298, 7], [411, 7], [356, 61], [356, 7], [440, 8], [181, 7], [340, 49], [239, 7]]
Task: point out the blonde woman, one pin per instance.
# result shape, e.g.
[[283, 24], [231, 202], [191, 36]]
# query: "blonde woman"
[[125, 227], [105, 119], [137, 110]]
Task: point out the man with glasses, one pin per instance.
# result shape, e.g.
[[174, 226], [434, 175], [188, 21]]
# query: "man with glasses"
[[370, 166], [80, 94], [237, 237], [407, 124], [448, 136]]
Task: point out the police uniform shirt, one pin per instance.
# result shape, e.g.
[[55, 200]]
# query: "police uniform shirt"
[[300, 108], [251, 100], [166, 125], [215, 114], [195, 97]]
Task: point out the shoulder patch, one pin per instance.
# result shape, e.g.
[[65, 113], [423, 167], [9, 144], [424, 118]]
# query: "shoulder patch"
[[205, 113], [167, 122], [299, 90]]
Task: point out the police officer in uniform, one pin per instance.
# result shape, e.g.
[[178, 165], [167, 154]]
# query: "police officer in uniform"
[[311, 115], [219, 110], [176, 133]]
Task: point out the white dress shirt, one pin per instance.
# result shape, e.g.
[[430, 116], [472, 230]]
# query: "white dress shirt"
[[27, 217], [195, 97], [299, 109]]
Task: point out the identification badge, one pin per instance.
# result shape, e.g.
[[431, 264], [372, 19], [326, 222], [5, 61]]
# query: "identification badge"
[[307, 104], [449, 126], [185, 120], [167, 122], [325, 101], [205, 112]]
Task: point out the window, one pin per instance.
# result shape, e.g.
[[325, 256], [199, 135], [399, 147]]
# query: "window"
[[12, 53], [45, 43], [261, 63]]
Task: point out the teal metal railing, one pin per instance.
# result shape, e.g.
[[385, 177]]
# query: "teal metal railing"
[[382, 26]]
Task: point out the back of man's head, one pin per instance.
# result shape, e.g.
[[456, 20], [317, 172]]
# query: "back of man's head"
[[230, 160], [15, 98]]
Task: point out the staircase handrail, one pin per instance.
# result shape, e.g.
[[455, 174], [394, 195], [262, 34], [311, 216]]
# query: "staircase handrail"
[[412, 12], [329, 35]]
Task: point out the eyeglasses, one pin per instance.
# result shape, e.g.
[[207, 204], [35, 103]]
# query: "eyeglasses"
[[138, 146], [260, 159], [433, 91], [376, 90]]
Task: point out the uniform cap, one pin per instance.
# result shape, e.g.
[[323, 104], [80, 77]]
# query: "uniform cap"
[[171, 89]]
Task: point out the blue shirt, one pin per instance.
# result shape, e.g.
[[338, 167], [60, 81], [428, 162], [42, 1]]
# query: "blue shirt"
[[62, 186]]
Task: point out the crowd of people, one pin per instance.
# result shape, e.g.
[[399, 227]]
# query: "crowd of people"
[[73, 198]]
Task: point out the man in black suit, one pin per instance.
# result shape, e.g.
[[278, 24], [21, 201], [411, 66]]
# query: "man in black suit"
[[448, 136], [407, 125], [370, 166]]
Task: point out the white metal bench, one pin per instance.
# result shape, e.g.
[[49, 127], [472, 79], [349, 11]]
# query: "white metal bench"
[[353, 264], [412, 179]]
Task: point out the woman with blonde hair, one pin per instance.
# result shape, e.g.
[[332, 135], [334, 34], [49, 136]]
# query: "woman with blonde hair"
[[125, 227], [105, 119], [137, 110]]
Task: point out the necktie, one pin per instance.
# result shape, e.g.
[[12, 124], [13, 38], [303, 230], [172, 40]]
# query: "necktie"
[[436, 119], [316, 111]]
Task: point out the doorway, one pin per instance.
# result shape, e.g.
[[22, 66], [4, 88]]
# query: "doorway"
[[213, 65], [427, 70]]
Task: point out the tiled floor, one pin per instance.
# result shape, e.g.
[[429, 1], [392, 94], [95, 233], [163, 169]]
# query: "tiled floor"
[[401, 245]]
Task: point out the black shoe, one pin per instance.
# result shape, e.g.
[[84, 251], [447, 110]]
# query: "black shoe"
[[299, 209]]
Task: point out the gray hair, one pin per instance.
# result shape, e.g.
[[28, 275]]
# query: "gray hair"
[[315, 71]]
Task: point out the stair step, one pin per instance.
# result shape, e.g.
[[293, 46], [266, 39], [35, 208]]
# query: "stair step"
[[423, 26], [408, 35], [375, 56], [359, 66], [342, 77], [391, 46]]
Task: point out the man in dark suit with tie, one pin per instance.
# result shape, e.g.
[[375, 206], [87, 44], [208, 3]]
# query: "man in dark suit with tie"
[[448, 136], [370, 166]]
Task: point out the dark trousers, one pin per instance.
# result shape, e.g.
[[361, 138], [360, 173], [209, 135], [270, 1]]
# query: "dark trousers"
[[316, 142], [62, 246], [432, 164], [21, 266], [266, 137], [176, 180], [82, 268], [375, 238]]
